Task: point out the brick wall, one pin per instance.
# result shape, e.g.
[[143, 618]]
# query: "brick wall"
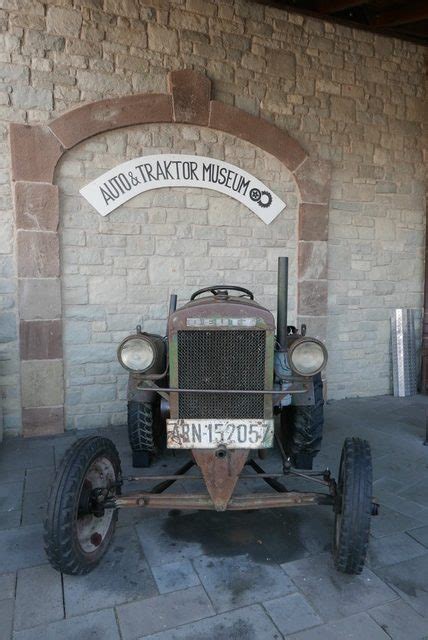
[[347, 95]]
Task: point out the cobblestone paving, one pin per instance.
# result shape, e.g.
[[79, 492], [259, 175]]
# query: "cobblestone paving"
[[204, 576]]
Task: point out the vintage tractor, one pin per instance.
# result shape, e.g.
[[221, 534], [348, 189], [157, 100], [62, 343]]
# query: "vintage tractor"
[[225, 385]]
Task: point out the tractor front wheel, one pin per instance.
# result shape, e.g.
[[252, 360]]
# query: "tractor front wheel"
[[353, 506], [78, 530]]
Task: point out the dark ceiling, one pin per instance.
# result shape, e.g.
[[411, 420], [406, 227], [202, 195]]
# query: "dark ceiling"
[[406, 20]]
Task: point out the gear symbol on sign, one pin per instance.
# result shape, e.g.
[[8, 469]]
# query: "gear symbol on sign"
[[265, 203], [263, 198], [255, 195]]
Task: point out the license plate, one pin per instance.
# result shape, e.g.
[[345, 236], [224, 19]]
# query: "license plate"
[[209, 434]]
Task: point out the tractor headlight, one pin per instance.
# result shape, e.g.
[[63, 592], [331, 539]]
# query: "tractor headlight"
[[307, 356], [136, 353]]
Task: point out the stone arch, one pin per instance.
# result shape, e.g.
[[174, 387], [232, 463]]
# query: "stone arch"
[[35, 151]]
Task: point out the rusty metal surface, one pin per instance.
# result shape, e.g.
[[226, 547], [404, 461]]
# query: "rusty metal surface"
[[269, 392], [272, 482], [139, 393], [220, 474], [307, 397], [243, 476], [234, 306], [212, 308], [162, 391], [203, 501], [163, 486]]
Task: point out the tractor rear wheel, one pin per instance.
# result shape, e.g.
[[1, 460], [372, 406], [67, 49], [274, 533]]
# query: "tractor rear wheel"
[[353, 506], [140, 433], [78, 530], [302, 427]]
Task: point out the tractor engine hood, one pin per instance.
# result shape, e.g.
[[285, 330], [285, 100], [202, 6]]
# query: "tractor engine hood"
[[221, 312]]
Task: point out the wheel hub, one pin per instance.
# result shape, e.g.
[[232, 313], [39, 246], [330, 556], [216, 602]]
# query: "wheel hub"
[[93, 520], [85, 500], [96, 539]]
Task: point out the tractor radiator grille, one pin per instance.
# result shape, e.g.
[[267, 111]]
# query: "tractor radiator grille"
[[221, 359]]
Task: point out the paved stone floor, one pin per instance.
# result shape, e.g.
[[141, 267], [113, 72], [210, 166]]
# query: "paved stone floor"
[[205, 576]]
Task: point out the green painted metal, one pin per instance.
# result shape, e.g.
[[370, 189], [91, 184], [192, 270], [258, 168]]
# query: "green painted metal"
[[269, 371]]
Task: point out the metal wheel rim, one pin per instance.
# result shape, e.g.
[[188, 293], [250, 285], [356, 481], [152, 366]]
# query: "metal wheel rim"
[[92, 530]]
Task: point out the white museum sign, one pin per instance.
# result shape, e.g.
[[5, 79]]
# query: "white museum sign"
[[126, 180]]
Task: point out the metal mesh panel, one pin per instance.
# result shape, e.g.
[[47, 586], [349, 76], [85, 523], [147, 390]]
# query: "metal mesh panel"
[[217, 359]]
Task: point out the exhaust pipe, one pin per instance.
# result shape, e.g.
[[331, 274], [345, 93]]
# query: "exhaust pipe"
[[172, 303], [172, 307], [282, 303]]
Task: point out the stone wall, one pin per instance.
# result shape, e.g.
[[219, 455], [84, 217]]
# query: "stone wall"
[[349, 96], [119, 271]]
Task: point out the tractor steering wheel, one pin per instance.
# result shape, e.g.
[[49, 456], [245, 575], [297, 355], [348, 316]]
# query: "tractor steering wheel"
[[215, 290]]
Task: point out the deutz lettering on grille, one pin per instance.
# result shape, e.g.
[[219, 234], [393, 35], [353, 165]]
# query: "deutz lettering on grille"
[[221, 322]]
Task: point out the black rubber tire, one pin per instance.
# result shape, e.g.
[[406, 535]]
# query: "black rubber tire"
[[60, 528], [140, 432], [302, 428], [353, 506]]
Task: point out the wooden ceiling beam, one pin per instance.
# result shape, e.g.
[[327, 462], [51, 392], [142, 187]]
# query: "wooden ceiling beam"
[[333, 6], [401, 15]]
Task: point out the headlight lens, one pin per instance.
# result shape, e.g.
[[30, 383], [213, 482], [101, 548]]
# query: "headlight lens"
[[307, 356], [136, 354]]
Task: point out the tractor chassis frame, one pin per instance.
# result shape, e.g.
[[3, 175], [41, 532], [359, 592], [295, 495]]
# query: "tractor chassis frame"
[[156, 498]]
